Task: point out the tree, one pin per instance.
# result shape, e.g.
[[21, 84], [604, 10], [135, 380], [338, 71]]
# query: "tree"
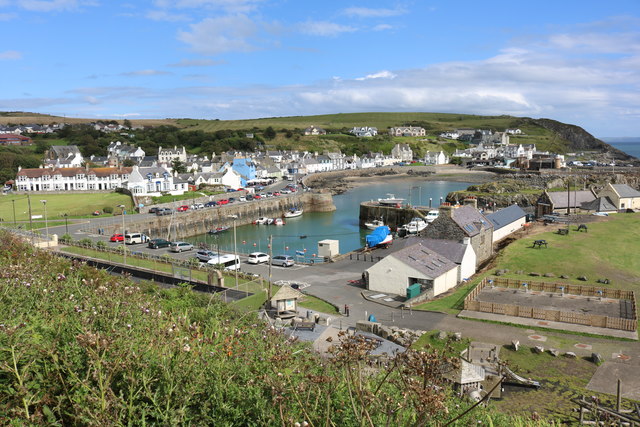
[[269, 133], [178, 166], [127, 123], [41, 146]]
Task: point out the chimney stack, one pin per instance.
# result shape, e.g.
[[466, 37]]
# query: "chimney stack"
[[471, 201], [446, 209]]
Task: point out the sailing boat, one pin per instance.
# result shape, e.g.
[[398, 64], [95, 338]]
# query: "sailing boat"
[[293, 212], [372, 225]]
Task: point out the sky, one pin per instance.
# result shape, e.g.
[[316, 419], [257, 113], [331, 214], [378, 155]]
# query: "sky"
[[573, 61]]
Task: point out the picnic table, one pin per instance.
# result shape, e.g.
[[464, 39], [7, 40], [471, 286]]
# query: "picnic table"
[[539, 243], [583, 227], [563, 231]]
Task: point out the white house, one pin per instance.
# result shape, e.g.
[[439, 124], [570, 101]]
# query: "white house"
[[622, 196], [364, 131], [407, 131], [436, 158], [64, 156], [402, 152], [231, 179], [313, 130], [152, 181], [506, 221], [414, 264], [168, 155], [71, 179]]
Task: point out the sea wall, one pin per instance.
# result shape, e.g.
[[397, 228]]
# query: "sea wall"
[[190, 223]]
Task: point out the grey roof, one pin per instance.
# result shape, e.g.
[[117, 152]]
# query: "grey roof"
[[425, 260], [470, 220], [64, 151], [625, 191], [506, 216], [576, 198], [601, 204], [452, 250]]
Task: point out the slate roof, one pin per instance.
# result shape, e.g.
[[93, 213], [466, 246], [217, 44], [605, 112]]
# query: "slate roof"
[[70, 172], [576, 198], [506, 216], [601, 204], [427, 261], [470, 220], [287, 292], [625, 191]]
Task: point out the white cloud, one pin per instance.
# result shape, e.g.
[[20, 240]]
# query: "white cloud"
[[382, 27], [53, 5], [379, 75], [196, 63], [145, 73], [9, 55], [164, 16], [366, 12], [324, 28], [213, 36], [235, 6], [7, 16]]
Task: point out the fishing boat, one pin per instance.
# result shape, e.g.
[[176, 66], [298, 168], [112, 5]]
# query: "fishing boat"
[[381, 237], [432, 215], [372, 225], [218, 230], [262, 220], [278, 221], [392, 200], [416, 225], [293, 212]]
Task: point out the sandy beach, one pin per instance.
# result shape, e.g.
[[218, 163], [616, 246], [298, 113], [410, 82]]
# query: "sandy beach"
[[340, 181]]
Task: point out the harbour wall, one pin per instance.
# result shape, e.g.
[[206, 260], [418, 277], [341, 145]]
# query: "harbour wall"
[[193, 222]]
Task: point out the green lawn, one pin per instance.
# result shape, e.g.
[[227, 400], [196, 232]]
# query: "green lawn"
[[75, 205]]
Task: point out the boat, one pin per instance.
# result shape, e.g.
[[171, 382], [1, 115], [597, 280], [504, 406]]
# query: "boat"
[[218, 230], [278, 221], [293, 212], [391, 201], [372, 225], [416, 225], [262, 220], [381, 237], [269, 221], [432, 215]]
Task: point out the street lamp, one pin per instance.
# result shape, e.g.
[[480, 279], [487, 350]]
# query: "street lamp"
[[46, 225], [14, 212], [66, 223], [235, 248], [124, 247]]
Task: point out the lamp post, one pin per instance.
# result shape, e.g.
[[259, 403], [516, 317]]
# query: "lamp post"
[[46, 224], [66, 223], [124, 247], [235, 250], [14, 211]]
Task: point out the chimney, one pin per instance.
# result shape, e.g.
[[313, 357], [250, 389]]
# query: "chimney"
[[446, 209], [466, 240], [471, 201]]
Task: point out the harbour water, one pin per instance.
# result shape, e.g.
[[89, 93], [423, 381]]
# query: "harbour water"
[[301, 235]]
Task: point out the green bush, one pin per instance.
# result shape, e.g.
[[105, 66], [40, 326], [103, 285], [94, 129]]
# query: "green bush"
[[107, 209]]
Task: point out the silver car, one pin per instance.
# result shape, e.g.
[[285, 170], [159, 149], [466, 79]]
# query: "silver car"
[[180, 246], [282, 260]]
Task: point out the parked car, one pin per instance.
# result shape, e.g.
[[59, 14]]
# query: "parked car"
[[205, 255], [258, 257], [257, 196], [158, 243], [211, 204], [242, 199], [154, 209], [231, 199], [285, 191], [180, 246], [250, 197], [197, 206], [276, 193], [118, 237], [164, 211], [182, 208], [223, 202], [133, 238], [282, 260]]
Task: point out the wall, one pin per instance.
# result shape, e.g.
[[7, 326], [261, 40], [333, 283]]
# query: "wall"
[[508, 229]]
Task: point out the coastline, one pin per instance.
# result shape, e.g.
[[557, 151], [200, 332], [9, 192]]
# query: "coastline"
[[339, 182]]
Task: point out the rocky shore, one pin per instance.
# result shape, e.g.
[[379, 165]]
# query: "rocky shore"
[[339, 182]]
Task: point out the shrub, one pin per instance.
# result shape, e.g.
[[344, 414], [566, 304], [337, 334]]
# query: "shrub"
[[86, 242], [107, 209]]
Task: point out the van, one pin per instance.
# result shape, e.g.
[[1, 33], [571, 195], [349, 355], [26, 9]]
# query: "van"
[[227, 261], [133, 238]]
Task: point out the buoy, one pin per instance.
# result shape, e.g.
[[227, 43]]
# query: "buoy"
[[244, 242], [254, 245], [313, 255], [305, 250], [268, 246], [286, 248]]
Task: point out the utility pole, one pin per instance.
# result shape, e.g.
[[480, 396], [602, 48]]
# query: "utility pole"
[[14, 212], [30, 218], [270, 261], [235, 251]]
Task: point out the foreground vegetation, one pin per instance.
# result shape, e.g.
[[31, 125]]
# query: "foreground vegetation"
[[79, 347]]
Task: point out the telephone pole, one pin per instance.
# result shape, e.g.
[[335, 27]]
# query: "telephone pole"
[[270, 261]]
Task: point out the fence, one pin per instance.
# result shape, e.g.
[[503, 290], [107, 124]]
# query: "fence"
[[599, 321]]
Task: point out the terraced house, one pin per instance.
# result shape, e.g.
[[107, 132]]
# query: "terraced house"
[[71, 179]]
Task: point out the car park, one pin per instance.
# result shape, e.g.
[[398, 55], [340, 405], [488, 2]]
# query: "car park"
[[257, 258], [158, 243], [180, 246], [118, 237], [182, 208], [282, 260], [205, 255], [164, 211]]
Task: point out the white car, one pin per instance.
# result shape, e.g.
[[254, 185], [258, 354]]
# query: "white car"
[[257, 258]]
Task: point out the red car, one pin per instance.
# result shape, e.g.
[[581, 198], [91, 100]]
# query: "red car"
[[117, 238], [182, 208], [257, 196], [223, 202]]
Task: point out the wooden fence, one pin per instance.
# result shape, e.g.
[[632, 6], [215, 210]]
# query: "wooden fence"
[[599, 321]]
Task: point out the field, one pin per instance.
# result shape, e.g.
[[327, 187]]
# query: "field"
[[74, 205]]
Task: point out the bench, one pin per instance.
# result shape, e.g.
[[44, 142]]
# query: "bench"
[[303, 324]]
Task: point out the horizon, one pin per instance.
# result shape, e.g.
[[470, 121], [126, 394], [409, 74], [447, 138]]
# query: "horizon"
[[574, 62]]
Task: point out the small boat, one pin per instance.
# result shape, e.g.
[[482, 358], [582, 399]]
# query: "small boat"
[[416, 225], [218, 230], [292, 213], [304, 236], [278, 221], [372, 225], [381, 237], [262, 220], [269, 221], [391, 201], [432, 215]]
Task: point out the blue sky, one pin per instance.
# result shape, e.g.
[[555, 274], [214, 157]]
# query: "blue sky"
[[573, 61]]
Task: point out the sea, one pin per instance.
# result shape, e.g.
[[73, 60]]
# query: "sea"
[[630, 146]]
